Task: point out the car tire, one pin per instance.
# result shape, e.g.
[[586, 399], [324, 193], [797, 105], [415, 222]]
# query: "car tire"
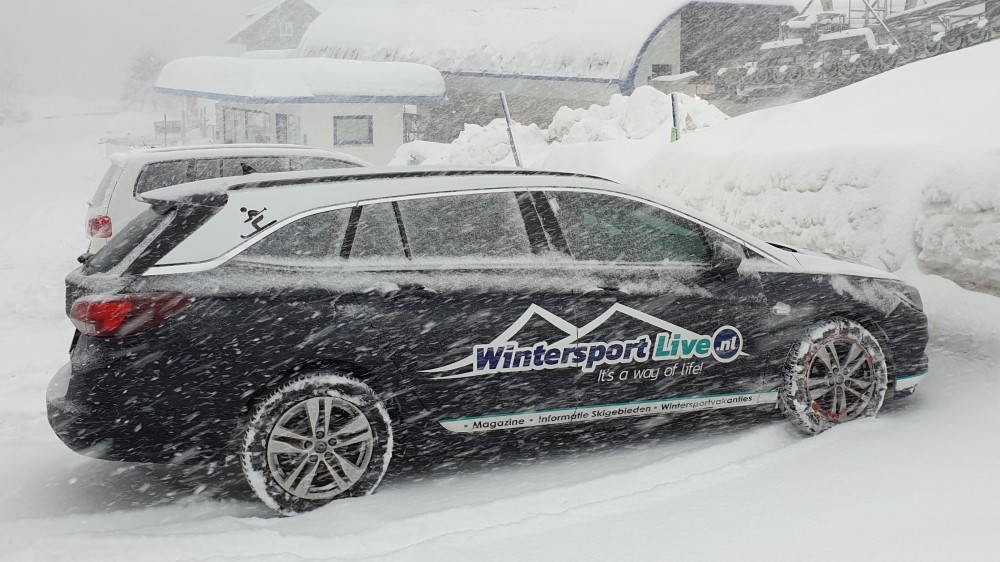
[[314, 439], [835, 374]]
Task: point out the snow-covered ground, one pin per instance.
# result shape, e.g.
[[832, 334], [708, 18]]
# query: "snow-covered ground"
[[917, 483]]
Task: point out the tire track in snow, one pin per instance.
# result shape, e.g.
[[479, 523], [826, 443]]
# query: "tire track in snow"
[[360, 530]]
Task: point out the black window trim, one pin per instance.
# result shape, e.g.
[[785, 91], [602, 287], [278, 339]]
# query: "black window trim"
[[534, 241], [164, 269]]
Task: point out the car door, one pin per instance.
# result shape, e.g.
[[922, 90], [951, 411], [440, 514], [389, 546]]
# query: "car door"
[[467, 312], [672, 321]]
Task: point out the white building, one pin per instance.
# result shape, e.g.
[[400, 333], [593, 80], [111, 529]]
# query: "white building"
[[366, 109], [543, 53]]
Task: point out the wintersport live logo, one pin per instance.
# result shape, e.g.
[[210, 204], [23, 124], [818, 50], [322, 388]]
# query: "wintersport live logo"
[[672, 343], [724, 346]]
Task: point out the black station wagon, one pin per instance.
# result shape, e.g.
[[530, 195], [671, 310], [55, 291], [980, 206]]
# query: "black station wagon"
[[300, 321]]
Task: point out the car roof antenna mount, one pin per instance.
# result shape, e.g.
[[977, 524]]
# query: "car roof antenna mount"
[[510, 131]]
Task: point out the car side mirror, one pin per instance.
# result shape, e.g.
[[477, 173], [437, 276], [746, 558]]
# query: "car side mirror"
[[726, 259]]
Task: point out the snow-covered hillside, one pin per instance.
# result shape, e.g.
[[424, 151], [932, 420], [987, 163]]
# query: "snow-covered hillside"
[[917, 483]]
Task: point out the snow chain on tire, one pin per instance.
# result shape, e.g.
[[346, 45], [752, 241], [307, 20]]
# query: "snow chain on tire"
[[836, 373]]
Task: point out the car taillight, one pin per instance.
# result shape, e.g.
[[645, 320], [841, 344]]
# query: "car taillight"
[[122, 315], [99, 227]]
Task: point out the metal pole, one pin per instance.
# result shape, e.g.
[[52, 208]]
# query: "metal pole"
[[510, 131], [881, 22], [675, 131], [164, 130]]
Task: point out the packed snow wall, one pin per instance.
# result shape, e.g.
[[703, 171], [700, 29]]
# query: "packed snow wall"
[[899, 170]]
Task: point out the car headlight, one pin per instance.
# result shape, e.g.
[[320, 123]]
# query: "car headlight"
[[910, 297]]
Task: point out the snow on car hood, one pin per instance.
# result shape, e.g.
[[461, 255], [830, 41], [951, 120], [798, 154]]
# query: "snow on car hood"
[[819, 262]]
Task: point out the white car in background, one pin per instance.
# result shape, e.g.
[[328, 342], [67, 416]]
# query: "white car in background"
[[118, 197]]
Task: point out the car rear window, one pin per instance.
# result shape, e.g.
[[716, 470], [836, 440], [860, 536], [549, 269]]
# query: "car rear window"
[[137, 230], [150, 236], [312, 237]]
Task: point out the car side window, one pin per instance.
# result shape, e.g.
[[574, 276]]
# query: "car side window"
[[315, 163], [615, 229], [474, 225], [377, 234], [162, 174], [315, 236], [252, 165], [206, 169]]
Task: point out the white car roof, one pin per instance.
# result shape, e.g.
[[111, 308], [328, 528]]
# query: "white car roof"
[[142, 156], [284, 197]]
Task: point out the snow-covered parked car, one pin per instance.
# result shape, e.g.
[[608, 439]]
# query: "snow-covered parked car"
[[118, 198], [311, 331]]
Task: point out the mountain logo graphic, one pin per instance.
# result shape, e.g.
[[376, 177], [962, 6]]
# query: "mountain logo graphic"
[[503, 355]]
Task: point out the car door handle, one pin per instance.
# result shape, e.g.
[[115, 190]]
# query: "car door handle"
[[412, 289], [611, 290]]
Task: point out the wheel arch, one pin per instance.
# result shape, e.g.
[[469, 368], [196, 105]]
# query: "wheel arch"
[[375, 376]]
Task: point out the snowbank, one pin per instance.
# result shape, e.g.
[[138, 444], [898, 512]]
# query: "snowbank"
[[900, 168], [611, 140]]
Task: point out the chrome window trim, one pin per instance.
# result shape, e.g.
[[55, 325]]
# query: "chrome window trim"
[[192, 267]]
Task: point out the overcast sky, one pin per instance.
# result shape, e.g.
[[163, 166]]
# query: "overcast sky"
[[83, 47]]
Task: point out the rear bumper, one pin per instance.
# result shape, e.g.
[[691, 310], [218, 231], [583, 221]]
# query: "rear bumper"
[[132, 434]]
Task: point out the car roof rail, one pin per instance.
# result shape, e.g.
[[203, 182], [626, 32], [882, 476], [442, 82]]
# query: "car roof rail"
[[397, 174]]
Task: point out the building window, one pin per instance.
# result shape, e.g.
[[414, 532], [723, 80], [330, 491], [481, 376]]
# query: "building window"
[[352, 130], [245, 125], [662, 70], [286, 29], [286, 129], [414, 124]]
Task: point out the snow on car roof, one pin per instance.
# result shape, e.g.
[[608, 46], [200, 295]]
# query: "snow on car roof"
[[427, 177], [304, 80], [229, 151], [569, 39]]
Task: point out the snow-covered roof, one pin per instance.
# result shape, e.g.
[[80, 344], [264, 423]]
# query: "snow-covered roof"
[[583, 40], [141, 156], [310, 80], [258, 12]]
